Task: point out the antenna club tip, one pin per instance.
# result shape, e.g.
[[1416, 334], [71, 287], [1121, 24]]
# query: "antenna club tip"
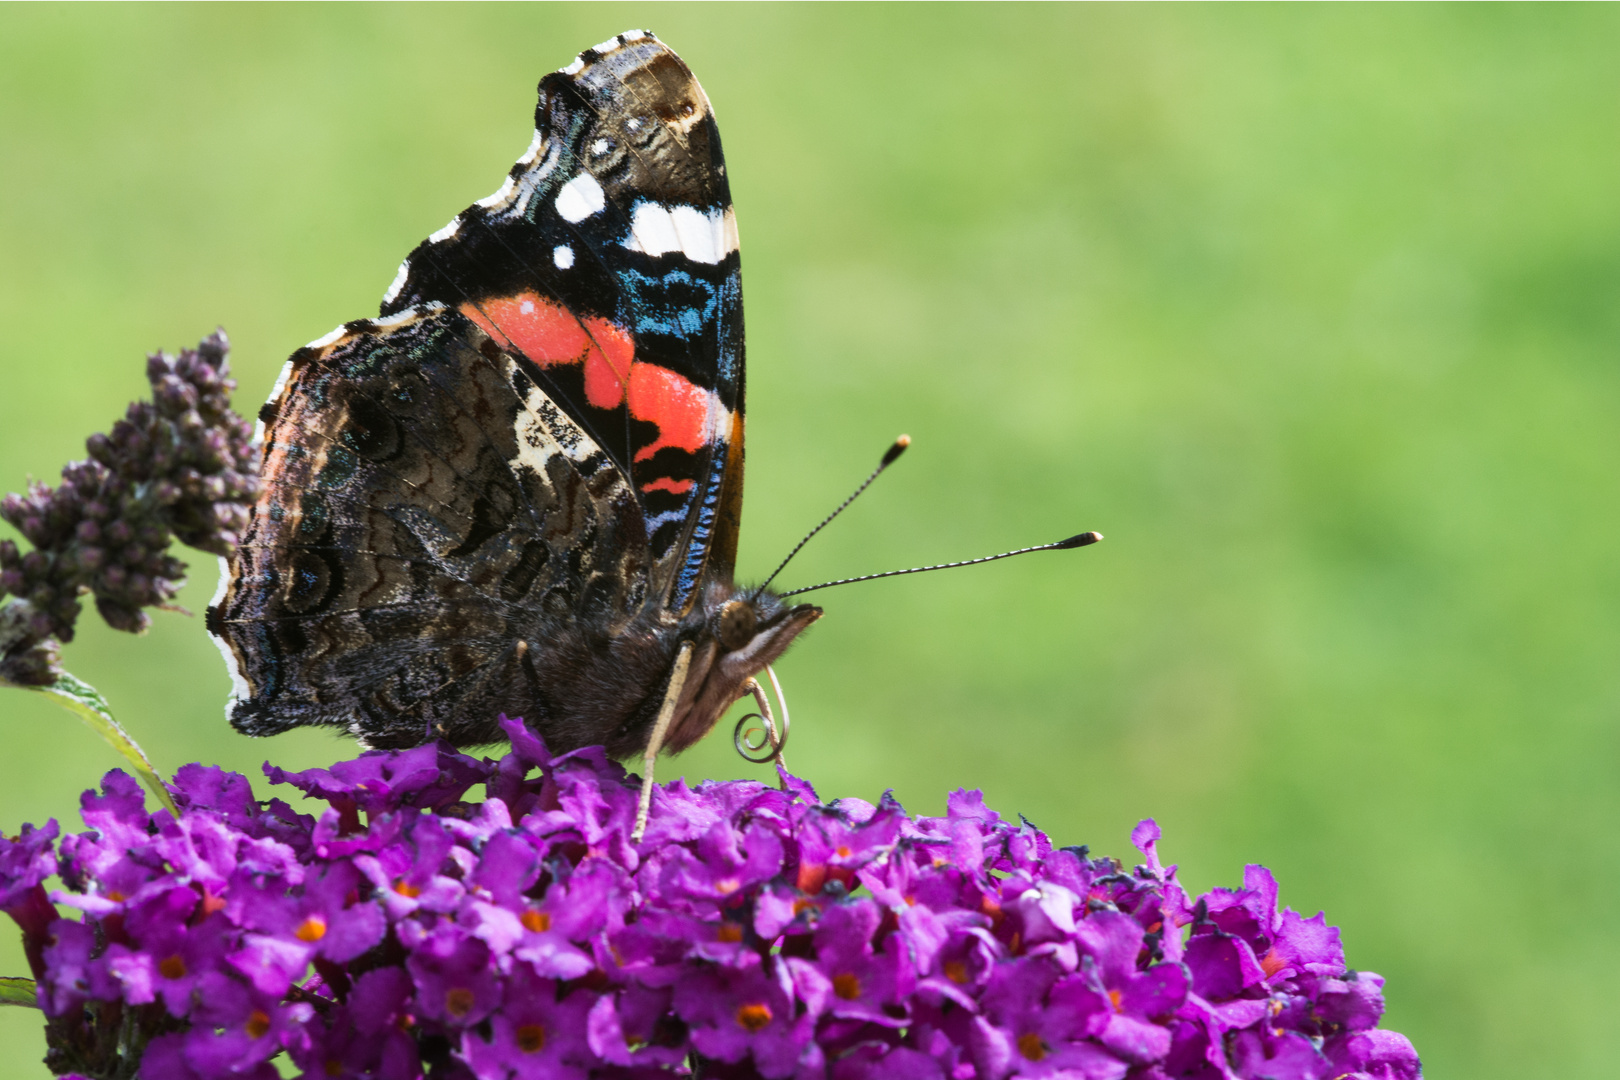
[[896, 450], [1083, 540]]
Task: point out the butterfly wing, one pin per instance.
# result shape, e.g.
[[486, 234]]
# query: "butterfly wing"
[[537, 444], [608, 262], [428, 511]]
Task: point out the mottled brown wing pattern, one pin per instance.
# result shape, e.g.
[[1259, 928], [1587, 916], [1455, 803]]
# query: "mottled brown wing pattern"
[[433, 511]]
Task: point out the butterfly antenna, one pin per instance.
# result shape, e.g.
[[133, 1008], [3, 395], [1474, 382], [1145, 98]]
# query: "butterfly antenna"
[[1083, 540], [890, 456]]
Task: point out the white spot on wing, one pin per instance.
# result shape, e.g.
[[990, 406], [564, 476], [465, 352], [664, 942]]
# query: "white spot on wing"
[[504, 195], [633, 35], [447, 232], [607, 46], [323, 341], [580, 198], [399, 282], [398, 318], [702, 236], [575, 67], [535, 146], [652, 230], [563, 256]]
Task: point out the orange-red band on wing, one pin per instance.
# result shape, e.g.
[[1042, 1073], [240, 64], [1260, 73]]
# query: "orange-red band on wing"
[[664, 483], [550, 334]]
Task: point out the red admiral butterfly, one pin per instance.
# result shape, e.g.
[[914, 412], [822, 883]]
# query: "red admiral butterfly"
[[518, 489]]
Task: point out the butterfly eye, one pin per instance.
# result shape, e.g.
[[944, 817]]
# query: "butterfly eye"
[[734, 626]]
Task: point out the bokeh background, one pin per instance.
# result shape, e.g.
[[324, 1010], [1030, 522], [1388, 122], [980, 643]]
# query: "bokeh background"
[[1314, 311]]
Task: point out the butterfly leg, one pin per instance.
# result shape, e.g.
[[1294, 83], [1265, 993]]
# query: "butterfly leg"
[[666, 713]]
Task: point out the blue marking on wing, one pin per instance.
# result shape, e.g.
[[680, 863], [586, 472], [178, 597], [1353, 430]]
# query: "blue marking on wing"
[[697, 547], [674, 303]]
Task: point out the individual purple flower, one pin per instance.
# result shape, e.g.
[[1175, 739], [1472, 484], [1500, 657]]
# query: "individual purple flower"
[[723, 861], [170, 950], [237, 1027], [1283, 943], [73, 971], [1037, 1023], [634, 1027], [455, 982], [337, 1047], [864, 983], [408, 873], [326, 915], [835, 841], [539, 1034], [1372, 1055], [24, 865], [737, 1014]]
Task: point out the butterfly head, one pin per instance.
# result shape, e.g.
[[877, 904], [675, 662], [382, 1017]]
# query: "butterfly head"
[[741, 630]]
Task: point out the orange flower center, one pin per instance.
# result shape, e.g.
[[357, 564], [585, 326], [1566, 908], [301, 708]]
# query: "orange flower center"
[[847, 986], [172, 967], [754, 1016], [458, 1002], [1113, 999], [729, 932], [538, 921], [1271, 963], [406, 889], [258, 1023], [727, 886], [531, 1038], [956, 971], [1030, 1045], [311, 929]]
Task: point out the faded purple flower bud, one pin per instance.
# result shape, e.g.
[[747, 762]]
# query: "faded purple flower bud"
[[182, 465]]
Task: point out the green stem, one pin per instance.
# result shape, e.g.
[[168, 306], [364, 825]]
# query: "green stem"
[[81, 698], [15, 991]]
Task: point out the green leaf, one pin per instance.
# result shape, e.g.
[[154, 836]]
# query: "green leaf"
[[81, 698], [16, 991]]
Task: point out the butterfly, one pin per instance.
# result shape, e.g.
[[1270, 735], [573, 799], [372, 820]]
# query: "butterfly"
[[517, 491]]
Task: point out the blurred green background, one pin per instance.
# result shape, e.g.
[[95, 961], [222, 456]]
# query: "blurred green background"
[[1314, 311]]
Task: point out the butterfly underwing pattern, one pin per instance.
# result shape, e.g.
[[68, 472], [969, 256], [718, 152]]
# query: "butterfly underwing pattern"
[[518, 489]]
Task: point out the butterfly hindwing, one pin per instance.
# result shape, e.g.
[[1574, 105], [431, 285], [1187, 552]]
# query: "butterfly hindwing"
[[431, 509]]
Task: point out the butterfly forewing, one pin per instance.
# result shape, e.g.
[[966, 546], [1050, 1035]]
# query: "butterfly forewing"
[[608, 263]]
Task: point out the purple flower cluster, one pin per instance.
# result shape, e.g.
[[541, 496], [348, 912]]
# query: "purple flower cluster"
[[181, 465], [753, 932]]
